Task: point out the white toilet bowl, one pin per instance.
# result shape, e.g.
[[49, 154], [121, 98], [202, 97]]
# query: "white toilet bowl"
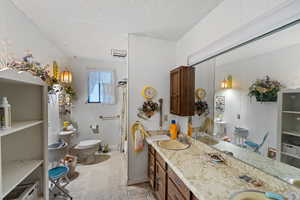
[[87, 149]]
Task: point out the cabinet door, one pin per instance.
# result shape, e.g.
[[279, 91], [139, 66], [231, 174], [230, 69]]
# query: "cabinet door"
[[187, 89], [173, 192], [182, 91], [160, 183], [178, 183], [193, 197], [151, 170], [175, 92]]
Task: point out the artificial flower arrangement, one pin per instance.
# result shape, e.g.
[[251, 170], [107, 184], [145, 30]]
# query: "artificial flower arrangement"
[[28, 64], [148, 109], [265, 90], [201, 107]]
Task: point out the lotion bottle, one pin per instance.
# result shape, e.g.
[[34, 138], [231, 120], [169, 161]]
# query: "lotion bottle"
[[5, 114], [173, 130]]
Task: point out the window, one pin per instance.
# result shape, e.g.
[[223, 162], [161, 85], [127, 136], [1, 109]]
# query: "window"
[[101, 87]]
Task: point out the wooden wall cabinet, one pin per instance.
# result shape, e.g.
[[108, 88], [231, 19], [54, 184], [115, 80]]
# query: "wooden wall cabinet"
[[182, 91]]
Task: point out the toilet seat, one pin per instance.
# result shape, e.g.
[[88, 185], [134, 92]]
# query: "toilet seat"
[[86, 144]]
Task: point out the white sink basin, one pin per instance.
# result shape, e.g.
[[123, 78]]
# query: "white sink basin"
[[294, 181], [67, 133], [251, 195], [57, 145]]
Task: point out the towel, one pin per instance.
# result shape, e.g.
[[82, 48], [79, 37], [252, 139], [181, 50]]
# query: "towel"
[[139, 134]]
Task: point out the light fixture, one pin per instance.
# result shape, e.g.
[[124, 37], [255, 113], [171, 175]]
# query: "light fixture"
[[224, 84], [66, 77], [227, 83]]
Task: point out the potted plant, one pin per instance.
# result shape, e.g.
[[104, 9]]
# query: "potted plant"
[[265, 90]]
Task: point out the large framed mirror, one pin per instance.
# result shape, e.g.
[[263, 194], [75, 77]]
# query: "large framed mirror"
[[251, 106]]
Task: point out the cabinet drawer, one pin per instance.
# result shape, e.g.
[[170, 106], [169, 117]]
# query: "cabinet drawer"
[[161, 161], [173, 192], [151, 150], [179, 183]]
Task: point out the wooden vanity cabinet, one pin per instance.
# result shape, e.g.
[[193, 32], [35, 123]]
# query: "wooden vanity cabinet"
[[182, 91], [164, 181]]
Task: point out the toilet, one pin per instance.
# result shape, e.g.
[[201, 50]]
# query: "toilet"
[[87, 149]]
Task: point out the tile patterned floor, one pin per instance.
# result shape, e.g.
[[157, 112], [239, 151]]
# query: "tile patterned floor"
[[106, 180]]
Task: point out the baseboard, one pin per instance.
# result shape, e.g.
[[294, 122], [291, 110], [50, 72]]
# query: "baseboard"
[[134, 182]]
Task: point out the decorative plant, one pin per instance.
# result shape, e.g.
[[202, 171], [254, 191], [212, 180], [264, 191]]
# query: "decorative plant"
[[149, 108], [265, 89], [201, 107], [28, 64], [70, 91]]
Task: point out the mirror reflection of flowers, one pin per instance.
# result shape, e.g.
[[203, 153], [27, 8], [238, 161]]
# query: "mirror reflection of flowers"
[[201, 107], [265, 90], [149, 108]]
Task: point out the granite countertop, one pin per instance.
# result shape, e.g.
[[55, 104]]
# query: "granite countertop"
[[210, 181], [273, 167]]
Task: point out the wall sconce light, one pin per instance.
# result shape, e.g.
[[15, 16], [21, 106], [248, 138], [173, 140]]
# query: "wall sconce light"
[[66, 77], [224, 84], [227, 83]]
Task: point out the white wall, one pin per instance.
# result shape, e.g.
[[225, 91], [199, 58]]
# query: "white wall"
[[88, 114], [24, 35], [150, 61], [229, 16]]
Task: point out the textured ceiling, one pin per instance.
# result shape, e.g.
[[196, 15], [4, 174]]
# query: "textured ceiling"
[[88, 27]]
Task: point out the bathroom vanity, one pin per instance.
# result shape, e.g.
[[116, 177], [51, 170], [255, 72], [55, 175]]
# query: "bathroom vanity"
[[189, 174], [164, 181]]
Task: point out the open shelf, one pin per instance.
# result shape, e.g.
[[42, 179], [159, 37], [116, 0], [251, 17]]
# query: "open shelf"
[[291, 112], [291, 155], [20, 125], [15, 77], [14, 172], [293, 133]]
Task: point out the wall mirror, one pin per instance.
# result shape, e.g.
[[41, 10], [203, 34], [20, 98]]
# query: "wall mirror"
[[252, 103]]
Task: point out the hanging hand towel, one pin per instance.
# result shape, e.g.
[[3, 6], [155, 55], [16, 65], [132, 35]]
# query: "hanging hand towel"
[[138, 136]]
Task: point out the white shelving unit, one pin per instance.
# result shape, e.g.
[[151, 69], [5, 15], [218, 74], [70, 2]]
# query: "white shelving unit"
[[289, 127], [19, 126], [23, 147], [16, 172]]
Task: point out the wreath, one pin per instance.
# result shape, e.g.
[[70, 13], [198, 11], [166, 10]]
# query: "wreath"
[[201, 107]]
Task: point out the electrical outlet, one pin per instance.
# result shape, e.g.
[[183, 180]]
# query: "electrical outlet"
[[166, 118]]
